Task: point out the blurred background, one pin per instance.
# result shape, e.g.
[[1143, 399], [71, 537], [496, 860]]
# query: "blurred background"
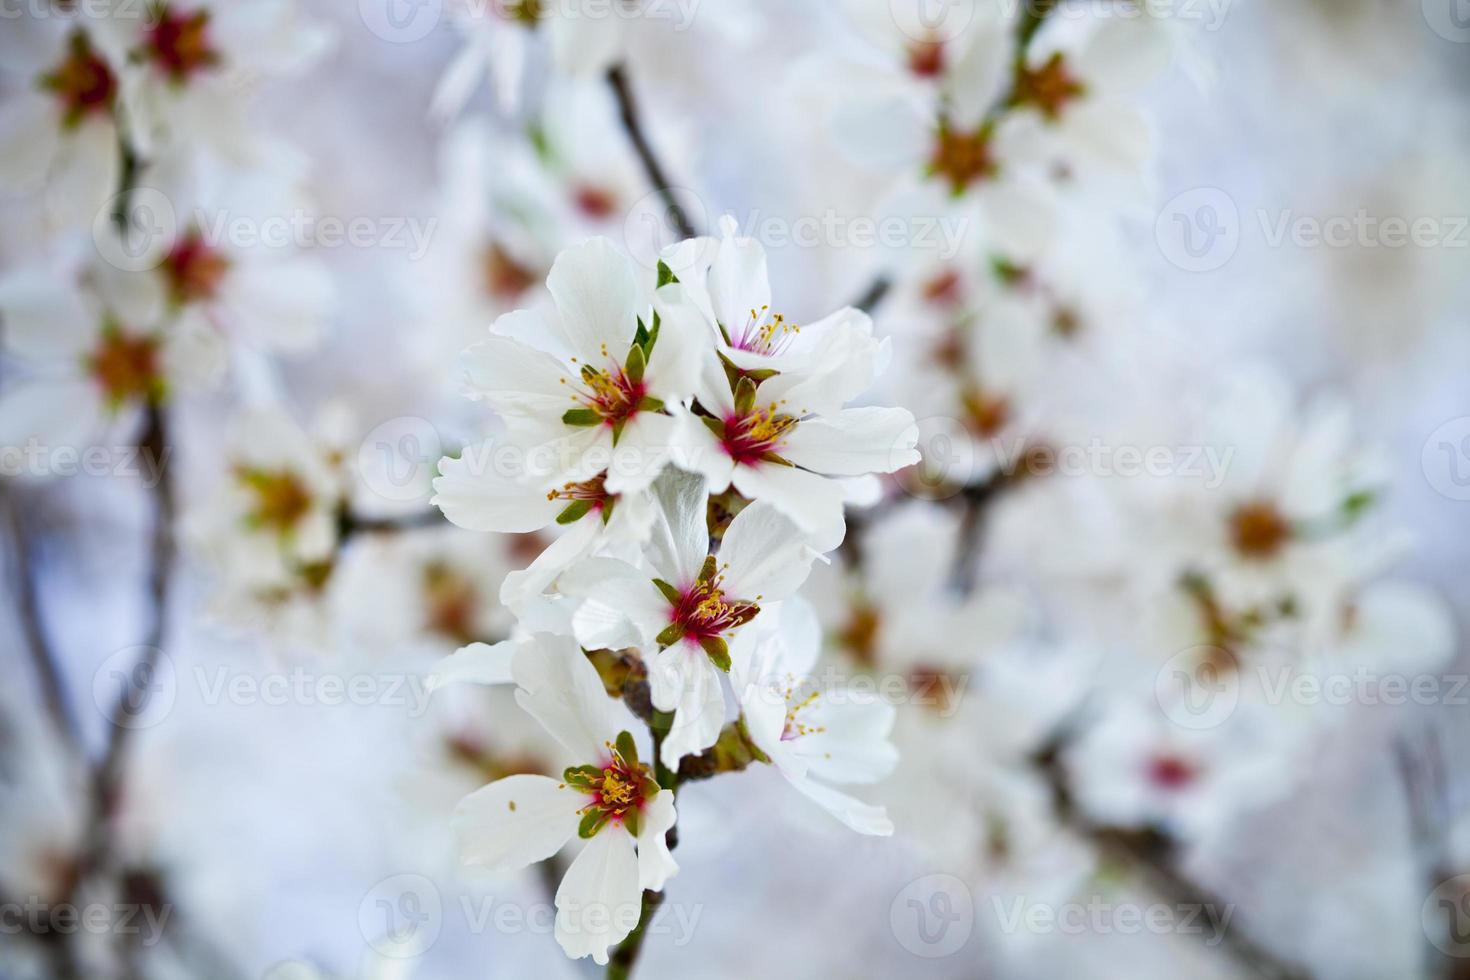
[[1188, 538]]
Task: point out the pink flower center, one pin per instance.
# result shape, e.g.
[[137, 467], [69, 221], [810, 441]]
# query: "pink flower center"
[[82, 81], [178, 44], [756, 436]]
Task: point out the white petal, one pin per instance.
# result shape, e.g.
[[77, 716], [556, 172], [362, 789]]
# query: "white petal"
[[764, 554], [599, 901], [87, 172], [655, 864], [855, 441], [45, 318], [477, 663], [679, 539], [865, 818], [30, 132], [474, 494], [812, 501], [516, 821], [561, 689], [642, 452], [739, 284], [700, 711], [516, 379], [622, 612], [593, 288]]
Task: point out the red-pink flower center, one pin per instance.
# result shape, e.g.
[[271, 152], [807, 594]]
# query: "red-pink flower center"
[[179, 45], [609, 392], [83, 82], [755, 436], [1170, 772], [704, 611], [194, 269]]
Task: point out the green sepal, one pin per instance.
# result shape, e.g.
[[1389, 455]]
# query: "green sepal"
[[607, 508], [744, 396], [670, 593], [714, 425], [632, 817], [627, 749], [581, 777], [617, 428], [581, 417], [665, 274], [718, 650], [636, 364], [592, 823], [671, 634], [777, 459], [574, 512], [708, 569], [650, 404]]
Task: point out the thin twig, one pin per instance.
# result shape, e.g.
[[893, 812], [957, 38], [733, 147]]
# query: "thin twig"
[[1150, 855], [617, 77], [28, 608]]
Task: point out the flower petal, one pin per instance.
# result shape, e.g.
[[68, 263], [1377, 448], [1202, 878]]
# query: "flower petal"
[[516, 821]]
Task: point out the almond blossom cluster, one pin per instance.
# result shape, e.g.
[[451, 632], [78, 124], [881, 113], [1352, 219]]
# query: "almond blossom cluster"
[[696, 451]]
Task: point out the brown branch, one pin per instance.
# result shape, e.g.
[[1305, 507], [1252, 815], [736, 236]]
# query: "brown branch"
[[38, 644], [617, 77], [1151, 856]]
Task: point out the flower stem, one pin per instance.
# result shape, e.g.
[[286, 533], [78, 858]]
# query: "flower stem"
[[620, 965], [617, 77]]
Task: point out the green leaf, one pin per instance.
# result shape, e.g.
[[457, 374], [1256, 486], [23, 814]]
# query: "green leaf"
[[581, 417], [592, 823], [574, 512], [671, 634], [744, 396], [627, 748], [670, 593], [718, 650], [637, 363]]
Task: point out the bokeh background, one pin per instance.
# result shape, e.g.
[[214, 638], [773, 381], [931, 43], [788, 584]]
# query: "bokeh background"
[[276, 827]]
